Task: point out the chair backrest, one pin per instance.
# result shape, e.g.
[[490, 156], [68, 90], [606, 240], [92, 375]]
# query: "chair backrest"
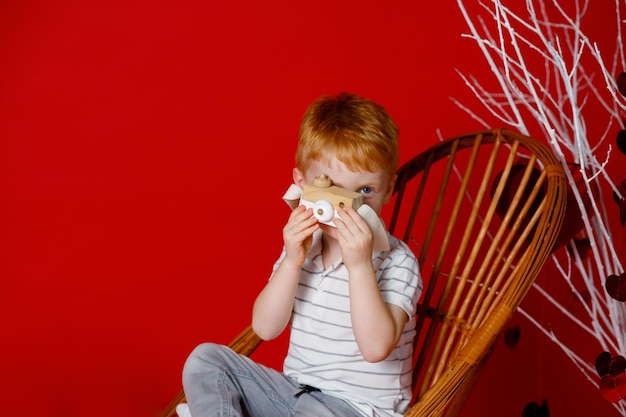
[[481, 211]]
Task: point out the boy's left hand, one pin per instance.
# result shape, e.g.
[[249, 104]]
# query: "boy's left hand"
[[355, 238]]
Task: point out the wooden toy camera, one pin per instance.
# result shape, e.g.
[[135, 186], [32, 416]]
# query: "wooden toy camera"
[[325, 198]]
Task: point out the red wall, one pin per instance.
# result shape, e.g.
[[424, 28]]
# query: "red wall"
[[145, 146]]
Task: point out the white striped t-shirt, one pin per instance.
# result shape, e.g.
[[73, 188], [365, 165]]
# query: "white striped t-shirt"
[[323, 352]]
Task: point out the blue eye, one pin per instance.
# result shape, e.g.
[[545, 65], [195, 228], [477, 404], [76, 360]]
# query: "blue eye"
[[365, 190]]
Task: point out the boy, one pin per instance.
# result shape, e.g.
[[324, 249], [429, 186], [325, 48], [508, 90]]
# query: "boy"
[[351, 310]]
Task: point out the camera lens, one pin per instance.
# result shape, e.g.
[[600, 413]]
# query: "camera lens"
[[323, 210]]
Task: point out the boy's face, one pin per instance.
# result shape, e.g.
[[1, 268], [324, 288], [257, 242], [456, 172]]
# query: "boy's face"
[[375, 187]]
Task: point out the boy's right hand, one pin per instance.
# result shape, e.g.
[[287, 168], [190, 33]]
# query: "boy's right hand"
[[298, 234], [274, 305]]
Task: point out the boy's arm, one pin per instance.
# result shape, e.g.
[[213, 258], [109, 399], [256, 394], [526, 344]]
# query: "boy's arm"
[[273, 306], [377, 326]]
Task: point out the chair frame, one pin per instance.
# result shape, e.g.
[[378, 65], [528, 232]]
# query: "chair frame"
[[470, 294]]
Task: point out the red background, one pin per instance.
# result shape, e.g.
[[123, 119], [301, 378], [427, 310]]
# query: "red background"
[[145, 146]]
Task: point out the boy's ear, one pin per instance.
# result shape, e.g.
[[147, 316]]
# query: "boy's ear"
[[298, 178], [392, 184]]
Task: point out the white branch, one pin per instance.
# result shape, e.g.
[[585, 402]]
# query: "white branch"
[[545, 66]]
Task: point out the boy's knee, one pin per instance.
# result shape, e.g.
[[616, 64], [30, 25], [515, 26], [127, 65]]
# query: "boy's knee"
[[201, 359], [205, 350]]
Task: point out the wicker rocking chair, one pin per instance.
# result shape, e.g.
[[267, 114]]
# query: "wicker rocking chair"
[[482, 212]]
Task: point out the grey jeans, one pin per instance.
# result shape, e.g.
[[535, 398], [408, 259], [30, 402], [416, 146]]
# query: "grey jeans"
[[221, 383]]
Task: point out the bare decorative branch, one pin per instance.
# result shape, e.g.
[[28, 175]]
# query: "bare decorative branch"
[[553, 82]]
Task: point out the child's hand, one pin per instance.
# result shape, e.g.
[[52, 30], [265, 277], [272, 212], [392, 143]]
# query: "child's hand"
[[297, 234], [355, 238], [274, 305]]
